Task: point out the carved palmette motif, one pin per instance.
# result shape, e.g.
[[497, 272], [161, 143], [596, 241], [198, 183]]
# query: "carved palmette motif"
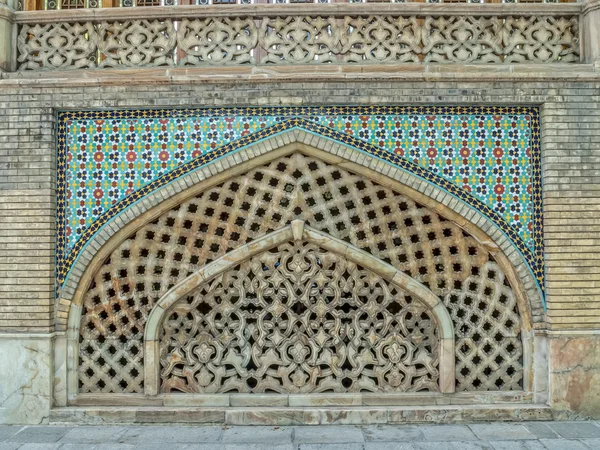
[[389, 225], [57, 46], [462, 39], [137, 43], [299, 319], [299, 40], [217, 41], [541, 39], [381, 39]]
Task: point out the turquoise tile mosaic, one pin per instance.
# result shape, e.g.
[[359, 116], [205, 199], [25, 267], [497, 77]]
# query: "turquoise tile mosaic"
[[489, 157]]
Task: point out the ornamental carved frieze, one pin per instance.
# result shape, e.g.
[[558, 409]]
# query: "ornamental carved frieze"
[[298, 40]]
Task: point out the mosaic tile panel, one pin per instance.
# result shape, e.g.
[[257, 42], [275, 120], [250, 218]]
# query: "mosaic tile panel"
[[486, 156]]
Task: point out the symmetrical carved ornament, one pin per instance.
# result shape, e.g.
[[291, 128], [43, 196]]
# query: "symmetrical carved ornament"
[[413, 239], [300, 318], [58, 46], [300, 40], [217, 41], [136, 43]]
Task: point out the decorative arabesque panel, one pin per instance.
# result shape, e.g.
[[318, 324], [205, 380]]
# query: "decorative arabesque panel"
[[298, 318], [350, 207], [293, 39]]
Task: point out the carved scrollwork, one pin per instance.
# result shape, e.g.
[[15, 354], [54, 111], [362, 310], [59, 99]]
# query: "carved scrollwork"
[[217, 41], [57, 46], [462, 39], [299, 40], [541, 39], [381, 39], [137, 43], [298, 318]]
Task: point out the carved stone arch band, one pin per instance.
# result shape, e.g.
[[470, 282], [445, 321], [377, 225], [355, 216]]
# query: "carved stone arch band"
[[416, 227], [297, 231], [530, 299]]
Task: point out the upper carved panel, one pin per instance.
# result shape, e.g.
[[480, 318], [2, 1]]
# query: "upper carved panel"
[[299, 40]]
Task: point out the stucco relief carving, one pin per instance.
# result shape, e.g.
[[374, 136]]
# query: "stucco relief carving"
[[462, 39], [217, 41], [299, 318], [136, 43], [541, 39], [381, 39], [57, 46], [300, 40]]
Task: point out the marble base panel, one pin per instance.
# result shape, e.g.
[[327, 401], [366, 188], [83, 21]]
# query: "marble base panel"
[[575, 374], [302, 416], [26, 374]]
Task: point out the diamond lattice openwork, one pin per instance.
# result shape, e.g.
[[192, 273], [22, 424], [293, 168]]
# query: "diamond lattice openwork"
[[350, 207]]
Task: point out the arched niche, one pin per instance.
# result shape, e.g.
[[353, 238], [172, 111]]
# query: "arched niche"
[[157, 206], [411, 343]]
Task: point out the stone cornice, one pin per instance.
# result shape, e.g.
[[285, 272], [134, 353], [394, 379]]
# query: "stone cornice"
[[307, 73], [334, 9], [7, 13], [590, 5]]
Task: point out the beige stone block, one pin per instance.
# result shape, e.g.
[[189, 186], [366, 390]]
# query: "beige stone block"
[[195, 400], [178, 415], [325, 400], [260, 400], [352, 416], [264, 416]]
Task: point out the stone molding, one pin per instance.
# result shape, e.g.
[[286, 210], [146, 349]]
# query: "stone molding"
[[314, 9]]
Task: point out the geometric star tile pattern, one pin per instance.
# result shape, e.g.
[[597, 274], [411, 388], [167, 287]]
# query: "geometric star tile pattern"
[[488, 156]]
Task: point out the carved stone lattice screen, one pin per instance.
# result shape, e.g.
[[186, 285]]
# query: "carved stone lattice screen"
[[298, 318], [388, 225], [291, 39]]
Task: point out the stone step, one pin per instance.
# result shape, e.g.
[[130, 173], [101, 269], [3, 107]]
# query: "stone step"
[[279, 416]]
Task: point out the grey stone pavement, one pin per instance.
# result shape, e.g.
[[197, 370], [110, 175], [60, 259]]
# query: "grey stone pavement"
[[492, 436]]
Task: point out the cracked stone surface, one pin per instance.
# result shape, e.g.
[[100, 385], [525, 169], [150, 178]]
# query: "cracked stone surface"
[[481, 436]]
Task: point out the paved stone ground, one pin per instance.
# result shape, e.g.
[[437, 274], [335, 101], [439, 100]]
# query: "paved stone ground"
[[494, 436]]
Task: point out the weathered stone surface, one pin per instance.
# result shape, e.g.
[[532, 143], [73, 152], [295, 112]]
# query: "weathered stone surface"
[[257, 434], [575, 374], [26, 379], [150, 434], [500, 431], [327, 434]]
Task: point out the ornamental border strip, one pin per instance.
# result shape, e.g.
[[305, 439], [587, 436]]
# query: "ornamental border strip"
[[535, 258]]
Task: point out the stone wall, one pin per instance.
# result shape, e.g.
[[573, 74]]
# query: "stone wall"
[[571, 174]]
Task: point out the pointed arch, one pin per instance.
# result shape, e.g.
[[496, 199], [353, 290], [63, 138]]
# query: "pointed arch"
[[297, 141], [159, 200], [298, 231]]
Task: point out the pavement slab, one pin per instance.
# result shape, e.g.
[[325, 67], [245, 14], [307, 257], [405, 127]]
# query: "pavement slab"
[[576, 430], [501, 431], [571, 435], [39, 434], [393, 433], [257, 435], [7, 431], [447, 433], [173, 434], [335, 434]]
